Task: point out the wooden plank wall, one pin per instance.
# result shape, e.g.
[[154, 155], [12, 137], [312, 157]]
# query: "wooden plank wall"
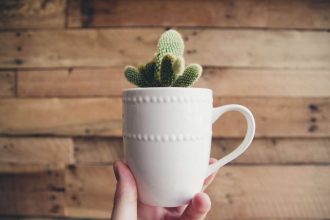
[[61, 79]]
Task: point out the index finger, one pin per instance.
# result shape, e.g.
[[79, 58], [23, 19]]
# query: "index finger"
[[210, 178]]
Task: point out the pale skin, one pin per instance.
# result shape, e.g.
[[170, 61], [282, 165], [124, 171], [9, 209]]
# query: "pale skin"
[[127, 205]]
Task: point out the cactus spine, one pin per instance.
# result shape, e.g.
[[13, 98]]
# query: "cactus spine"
[[167, 68]]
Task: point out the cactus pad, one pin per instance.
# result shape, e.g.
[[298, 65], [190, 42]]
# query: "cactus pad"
[[178, 66], [170, 42], [190, 75], [167, 75], [168, 66], [148, 72], [133, 75]]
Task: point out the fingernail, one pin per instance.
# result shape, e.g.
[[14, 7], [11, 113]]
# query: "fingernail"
[[116, 171]]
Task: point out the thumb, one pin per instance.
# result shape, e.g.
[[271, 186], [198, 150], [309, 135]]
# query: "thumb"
[[199, 206], [125, 201]]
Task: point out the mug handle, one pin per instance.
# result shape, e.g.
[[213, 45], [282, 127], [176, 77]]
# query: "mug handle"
[[217, 112]]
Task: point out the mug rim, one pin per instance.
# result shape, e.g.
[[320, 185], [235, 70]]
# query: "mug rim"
[[165, 89]]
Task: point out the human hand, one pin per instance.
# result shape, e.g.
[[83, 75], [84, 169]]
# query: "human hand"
[[128, 207]]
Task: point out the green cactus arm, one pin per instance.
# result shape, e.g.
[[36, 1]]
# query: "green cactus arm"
[[178, 66], [170, 42], [148, 72], [167, 74], [168, 66], [133, 75], [190, 75]]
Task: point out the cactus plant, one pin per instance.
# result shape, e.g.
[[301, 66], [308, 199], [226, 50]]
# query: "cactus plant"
[[167, 67]]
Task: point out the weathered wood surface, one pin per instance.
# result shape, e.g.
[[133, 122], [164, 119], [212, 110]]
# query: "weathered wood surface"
[[7, 83], [32, 190], [238, 192], [13, 168], [277, 151], [72, 82], [67, 218], [272, 56], [90, 191], [277, 117], [266, 82], [32, 14], [63, 218], [54, 218], [237, 13], [61, 116], [209, 47], [36, 151], [92, 82], [271, 192], [31, 203], [100, 151]]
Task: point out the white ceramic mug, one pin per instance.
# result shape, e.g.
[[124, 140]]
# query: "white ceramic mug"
[[167, 141]]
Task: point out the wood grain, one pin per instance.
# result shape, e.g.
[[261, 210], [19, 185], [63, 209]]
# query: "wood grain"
[[90, 82], [49, 218], [32, 190], [61, 79], [209, 47], [61, 116], [271, 192], [276, 117], [36, 151], [237, 192], [54, 218], [237, 13], [32, 14], [18, 203], [79, 82], [98, 151], [258, 48], [282, 151], [7, 84], [90, 191], [266, 82]]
